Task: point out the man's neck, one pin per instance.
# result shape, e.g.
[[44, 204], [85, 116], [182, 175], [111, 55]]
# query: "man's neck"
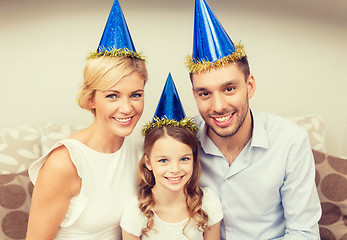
[[231, 146]]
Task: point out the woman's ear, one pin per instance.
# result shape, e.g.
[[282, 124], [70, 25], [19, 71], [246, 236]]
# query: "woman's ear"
[[148, 163], [91, 103]]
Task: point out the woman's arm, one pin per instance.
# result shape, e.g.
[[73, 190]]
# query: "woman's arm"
[[56, 184], [213, 232], [128, 236]]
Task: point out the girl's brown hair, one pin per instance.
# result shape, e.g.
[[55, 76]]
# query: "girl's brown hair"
[[146, 180]]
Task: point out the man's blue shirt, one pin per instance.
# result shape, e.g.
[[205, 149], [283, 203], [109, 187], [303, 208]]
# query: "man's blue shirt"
[[269, 191]]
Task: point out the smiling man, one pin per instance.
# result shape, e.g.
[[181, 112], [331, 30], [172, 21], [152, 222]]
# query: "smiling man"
[[261, 165]]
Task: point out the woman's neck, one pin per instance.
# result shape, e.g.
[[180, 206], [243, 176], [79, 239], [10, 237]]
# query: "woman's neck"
[[99, 138]]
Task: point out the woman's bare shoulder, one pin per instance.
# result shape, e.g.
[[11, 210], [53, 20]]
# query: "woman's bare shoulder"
[[60, 169], [60, 159], [59, 163]]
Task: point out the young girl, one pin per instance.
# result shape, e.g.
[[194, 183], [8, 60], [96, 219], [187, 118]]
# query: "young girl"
[[170, 204]]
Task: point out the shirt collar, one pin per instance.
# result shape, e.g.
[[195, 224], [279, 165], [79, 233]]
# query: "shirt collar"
[[259, 137], [201, 134], [206, 143]]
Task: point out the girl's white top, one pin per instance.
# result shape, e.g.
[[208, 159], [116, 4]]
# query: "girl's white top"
[[108, 181], [133, 221]]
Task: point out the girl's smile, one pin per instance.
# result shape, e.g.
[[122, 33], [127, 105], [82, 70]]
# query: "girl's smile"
[[172, 164]]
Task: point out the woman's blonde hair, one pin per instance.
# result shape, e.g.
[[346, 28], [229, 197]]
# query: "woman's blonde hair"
[[146, 179], [102, 73]]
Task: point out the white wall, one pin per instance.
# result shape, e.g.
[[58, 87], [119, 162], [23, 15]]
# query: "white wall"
[[297, 52]]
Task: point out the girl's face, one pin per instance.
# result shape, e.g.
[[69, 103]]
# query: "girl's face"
[[171, 163], [119, 108]]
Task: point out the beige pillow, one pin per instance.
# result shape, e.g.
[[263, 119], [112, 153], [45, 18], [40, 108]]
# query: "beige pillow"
[[52, 133], [314, 125], [19, 147], [15, 199], [331, 181]]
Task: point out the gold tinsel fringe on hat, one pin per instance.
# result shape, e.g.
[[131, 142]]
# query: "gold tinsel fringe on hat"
[[185, 123], [201, 65], [116, 53]]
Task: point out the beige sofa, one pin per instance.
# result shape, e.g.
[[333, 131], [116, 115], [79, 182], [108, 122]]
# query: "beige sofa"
[[20, 146]]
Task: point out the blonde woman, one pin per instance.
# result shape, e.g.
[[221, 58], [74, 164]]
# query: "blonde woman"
[[82, 184]]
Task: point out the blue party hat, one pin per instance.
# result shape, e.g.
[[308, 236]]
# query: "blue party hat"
[[116, 39], [212, 47], [169, 105], [170, 110]]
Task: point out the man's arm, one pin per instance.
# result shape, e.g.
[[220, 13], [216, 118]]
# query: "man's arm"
[[302, 209]]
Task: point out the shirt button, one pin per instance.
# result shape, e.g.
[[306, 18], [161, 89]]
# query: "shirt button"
[[228, 229]]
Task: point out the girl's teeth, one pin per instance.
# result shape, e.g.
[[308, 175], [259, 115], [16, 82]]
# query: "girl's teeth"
[[174, 179]]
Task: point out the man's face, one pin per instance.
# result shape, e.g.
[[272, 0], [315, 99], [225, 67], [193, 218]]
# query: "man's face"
[[222, 96]]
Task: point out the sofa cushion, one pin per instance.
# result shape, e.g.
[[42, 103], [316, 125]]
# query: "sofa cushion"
[[331, 181], [19, 147], [52, 133], [15, 198], [314, 125]]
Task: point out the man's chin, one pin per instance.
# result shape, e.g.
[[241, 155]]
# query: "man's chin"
[[221, 132]]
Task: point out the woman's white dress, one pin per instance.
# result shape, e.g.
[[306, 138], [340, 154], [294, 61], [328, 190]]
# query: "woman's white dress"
[[108, 180]]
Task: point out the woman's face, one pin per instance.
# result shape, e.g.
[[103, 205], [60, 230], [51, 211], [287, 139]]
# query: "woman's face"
[[119, 108]]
